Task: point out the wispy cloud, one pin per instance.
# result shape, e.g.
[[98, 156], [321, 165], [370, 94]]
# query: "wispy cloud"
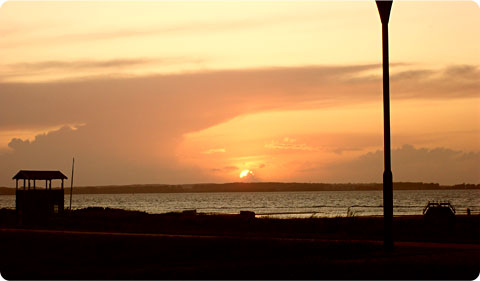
[[78, 64], [289, 144], [214, 150], [183, 28], [27, 69], [226, 169]]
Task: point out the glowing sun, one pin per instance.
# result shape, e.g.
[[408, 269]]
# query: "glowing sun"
[[246, 173]]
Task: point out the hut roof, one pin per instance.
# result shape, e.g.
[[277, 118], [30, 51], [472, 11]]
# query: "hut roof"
[[39, 175]]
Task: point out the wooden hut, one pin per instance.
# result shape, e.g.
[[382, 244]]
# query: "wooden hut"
[[35, 201]]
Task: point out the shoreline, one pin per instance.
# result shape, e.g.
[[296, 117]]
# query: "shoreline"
[[99, 243], [275, 204], [463, 229]]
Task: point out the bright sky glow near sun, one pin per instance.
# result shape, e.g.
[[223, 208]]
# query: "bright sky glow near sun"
[[190, 92]]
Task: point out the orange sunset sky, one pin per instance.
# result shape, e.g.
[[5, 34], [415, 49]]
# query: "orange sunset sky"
[[188, 92]]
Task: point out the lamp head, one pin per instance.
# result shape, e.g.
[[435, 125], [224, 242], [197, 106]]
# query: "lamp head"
[[384, 7]]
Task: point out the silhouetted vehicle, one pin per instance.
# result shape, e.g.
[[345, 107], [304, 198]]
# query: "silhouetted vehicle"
[[439, 212]]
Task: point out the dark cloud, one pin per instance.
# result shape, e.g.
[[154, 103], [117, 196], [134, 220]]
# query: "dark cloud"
[[463, 71], [101, 158], [459, 81], [440, 165], [315, 86], [132, 126], [422, 74], [212, 96]]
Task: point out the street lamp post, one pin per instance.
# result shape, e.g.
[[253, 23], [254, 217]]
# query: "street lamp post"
[[384, 8]]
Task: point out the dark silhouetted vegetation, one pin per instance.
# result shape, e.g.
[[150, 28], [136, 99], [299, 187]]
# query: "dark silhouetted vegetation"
[[252, 187]]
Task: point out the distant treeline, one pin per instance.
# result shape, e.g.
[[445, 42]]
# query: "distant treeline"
[[251, 187]]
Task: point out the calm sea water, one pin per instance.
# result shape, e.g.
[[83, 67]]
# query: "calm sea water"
[[282, 204]]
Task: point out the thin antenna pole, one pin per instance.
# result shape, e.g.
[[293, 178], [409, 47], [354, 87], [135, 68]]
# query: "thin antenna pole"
[[71, 183]]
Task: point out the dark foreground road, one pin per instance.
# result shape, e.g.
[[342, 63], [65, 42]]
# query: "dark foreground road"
[[56, 254]]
